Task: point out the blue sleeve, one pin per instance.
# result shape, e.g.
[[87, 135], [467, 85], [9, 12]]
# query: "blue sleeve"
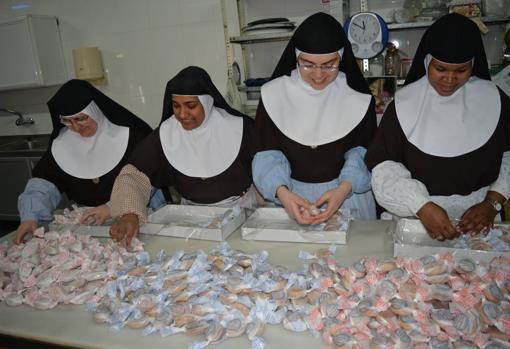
[[271, 169], [157, 199], [38, 201], [355, 170]]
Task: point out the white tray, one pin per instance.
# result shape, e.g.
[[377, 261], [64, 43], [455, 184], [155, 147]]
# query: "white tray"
[[411, 240], [274, 224], [186, 221]]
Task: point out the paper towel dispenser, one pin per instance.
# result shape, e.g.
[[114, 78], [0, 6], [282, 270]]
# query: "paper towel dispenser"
[[88, 64]]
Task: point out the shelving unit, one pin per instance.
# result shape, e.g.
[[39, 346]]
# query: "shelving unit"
[[259, 38], [419, 25], [247, 39]]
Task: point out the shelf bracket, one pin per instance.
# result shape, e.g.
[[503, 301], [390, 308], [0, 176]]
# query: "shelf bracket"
[[363, 5]]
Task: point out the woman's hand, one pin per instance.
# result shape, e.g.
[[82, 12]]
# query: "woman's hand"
[[296, 207], [334, 198], [96, 215], [24, 228], [435, 219], [125, 229], [478, 218]]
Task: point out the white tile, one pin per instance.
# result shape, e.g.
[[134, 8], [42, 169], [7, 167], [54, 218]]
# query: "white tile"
[[205, 47], [167, 55], [164, 13], [148, 108], [196, 11], [103, 16], [125, 59]]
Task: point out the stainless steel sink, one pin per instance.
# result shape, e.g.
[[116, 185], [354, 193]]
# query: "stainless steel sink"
[[27, 144], [24, 145]]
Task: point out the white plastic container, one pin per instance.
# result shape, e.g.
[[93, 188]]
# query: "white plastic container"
[[198, 222], [274, 224], [411, 240]]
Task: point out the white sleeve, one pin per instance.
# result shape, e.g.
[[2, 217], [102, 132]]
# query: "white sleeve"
[[502, 184], [396, 191]]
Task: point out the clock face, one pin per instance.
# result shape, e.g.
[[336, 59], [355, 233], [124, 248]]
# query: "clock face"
[[367, 34], [364, 28]]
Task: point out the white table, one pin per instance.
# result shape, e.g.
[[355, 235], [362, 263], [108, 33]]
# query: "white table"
[[72, 325]]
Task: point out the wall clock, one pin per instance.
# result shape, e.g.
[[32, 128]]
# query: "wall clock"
[[368, 34]]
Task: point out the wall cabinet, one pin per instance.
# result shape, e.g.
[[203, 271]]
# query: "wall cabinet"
[[32, 53]]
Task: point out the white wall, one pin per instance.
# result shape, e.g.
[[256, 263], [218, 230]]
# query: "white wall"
[[143, 44]]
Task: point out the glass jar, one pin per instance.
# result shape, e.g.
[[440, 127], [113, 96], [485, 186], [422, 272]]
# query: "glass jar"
[[377, 65], [413, 8], [392, 60], [405, 66]]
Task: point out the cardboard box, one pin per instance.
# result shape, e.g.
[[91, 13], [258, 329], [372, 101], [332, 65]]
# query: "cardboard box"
[[274, 224], [194, 222], [411, 240]]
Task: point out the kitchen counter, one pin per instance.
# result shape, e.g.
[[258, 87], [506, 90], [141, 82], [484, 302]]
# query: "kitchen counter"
[[72, 325]]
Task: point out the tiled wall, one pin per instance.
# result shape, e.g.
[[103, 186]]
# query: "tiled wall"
[[143, 44]]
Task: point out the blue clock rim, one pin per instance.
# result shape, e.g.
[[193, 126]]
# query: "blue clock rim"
[[382, 23]]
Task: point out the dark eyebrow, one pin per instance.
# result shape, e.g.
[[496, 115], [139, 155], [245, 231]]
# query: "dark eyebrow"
[[325, 63], [330, 61]]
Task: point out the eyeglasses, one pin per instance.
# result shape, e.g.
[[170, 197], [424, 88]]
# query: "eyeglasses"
[[77, 120], [328, 68]]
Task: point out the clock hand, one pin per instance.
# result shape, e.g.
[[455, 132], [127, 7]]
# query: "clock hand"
[[359, 26], [363, 25]]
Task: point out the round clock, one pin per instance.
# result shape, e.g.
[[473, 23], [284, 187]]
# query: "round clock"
[[368, 34]]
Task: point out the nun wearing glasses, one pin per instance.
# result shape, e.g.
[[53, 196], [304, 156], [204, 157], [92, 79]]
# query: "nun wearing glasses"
[[314, 121], [442, 151], [91, 141]]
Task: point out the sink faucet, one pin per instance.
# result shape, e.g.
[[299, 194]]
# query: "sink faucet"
[[21, 120]]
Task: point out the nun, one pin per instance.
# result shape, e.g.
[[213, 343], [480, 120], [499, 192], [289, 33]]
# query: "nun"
[[91, 141], [442, 149], [314, 121], [202, 148]]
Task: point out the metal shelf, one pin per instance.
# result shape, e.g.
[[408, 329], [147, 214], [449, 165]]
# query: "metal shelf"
[[245, 88], [256, 38], [271, 37], [426, 24]]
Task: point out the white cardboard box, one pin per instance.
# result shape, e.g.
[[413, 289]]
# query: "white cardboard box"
[[274, 224], [192, 222], [411, 240]]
